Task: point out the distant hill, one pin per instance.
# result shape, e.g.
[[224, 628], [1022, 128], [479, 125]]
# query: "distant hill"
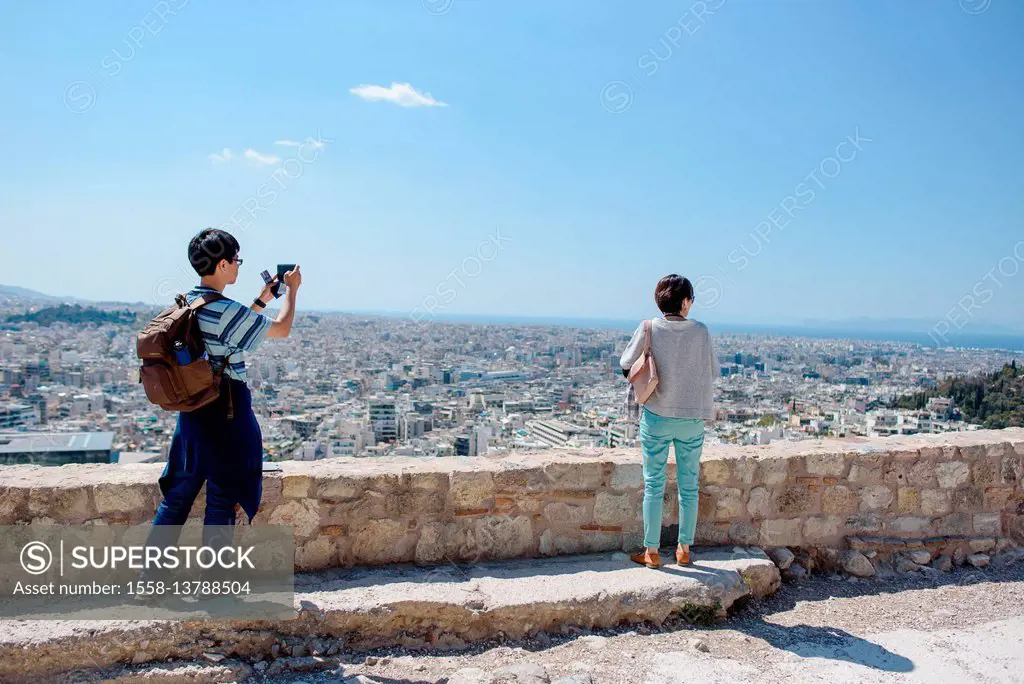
[[993, 400], [25, 293], [73, 314], [23, 298]]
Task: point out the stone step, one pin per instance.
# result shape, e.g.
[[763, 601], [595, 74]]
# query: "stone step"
[[440, 607]]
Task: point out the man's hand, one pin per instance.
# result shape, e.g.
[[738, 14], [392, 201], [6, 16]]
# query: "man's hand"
[[267, 294], [293, 278]]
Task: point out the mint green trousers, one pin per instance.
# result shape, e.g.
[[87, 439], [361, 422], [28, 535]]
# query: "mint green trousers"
[[687, 437]]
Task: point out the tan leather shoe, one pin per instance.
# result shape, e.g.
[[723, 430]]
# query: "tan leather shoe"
[[648, 558], [682, 557]]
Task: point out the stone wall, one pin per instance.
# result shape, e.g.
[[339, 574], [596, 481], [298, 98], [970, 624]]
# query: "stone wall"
[[351, 511]]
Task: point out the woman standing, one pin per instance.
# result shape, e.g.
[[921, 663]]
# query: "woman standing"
[[675, 413]]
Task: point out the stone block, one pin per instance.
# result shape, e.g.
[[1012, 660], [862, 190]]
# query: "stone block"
[[715, 472], [111, 498], [564, 544], [864, 522], [781, 556], [985, 471], [728, 502], [936, 502], [388, 482], [580, 476], [911, 525], [875, 498], [546, 545], [627, 476], [921, 557], [339, 488], [968, 499], [983, 545], [302, 514], [998, 498], [857, 564], [13, 504], [615, 509], [773, 471], [998, 449], [1012, 470], [821, 529], [517, 480], [952, 474], [794, 500], [741, 532], [316, 554], [706, 505], [1015, 527], [759, 503], [430, 547], [273, 486], [66, 505], [533, 505], [865, 474], [714, 533], [978, 560], [745, 469], [839, 499], [833, 465], [378, 542], [559, 513], [596, 542], [781, 532], [874, 544], [296, 486], [921, 474], [988, 523], [955, 523], [469, 489], [972, 452], [430, 482], [417, 503], [492, 537], [907, 500]]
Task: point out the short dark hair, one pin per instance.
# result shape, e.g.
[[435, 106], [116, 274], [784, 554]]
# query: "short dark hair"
[[208, 247], [671, 291]]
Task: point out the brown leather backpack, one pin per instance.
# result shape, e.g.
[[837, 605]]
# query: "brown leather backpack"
[[168, 383]]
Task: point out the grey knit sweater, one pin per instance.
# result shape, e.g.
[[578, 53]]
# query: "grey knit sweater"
[[687, 367]]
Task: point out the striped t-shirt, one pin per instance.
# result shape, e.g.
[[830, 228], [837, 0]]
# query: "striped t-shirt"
[[229, 329]]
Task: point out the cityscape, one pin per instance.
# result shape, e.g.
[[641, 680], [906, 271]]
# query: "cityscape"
[[348, 385]]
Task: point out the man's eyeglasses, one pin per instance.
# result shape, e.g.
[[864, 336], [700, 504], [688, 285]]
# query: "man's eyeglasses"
[[238, 261]]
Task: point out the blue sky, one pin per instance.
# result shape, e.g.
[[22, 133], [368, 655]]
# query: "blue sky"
[[604, 143]]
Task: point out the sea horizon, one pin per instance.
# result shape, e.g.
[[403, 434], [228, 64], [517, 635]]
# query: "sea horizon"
[[1011, 342]]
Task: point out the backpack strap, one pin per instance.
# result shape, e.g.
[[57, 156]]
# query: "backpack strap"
[[198, 303], [207, 298]]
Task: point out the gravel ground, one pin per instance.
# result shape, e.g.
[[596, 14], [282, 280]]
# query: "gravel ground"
[[821, 623]]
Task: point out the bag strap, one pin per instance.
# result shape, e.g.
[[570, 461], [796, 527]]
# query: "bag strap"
[[207, 298], [647, 336], [220, 374]]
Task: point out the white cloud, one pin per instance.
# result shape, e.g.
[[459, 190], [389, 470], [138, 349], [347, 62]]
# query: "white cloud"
[[261, 159], [401, 94], [318, 144], [222, 157]]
